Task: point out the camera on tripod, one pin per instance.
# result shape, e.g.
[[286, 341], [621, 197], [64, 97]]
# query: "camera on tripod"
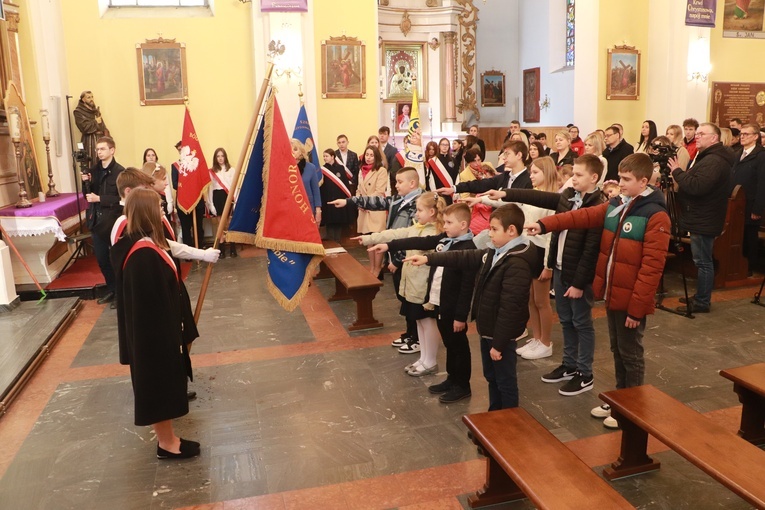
[[661, 150]]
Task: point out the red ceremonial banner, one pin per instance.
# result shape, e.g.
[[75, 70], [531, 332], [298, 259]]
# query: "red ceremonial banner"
[[193, 173], [286, 219]]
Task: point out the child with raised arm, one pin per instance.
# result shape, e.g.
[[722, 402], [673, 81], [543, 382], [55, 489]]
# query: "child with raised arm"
[[572, 257], [401, 211], [500, 301], [451, 290], [414, 284], [544, 176], [633, 250]]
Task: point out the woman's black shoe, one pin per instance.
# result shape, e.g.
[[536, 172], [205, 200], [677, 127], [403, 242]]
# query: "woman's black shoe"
[[189, 442], [233, 250], [188, 450]]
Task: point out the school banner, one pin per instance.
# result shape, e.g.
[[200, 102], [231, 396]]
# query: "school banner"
[[303, 133], [193, 173], [273, 212]]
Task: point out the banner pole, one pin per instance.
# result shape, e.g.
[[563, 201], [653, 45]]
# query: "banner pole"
[[237, 172]]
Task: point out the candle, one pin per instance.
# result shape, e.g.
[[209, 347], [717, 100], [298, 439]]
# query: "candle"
[[41, 196], [14, 127], [392, 113], [45, 124]]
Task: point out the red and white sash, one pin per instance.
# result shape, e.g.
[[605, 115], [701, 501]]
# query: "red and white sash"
[[443, 175], [336, 180], [348, 173], [119, 228], [146, 243], [214, 175], [401, 160]]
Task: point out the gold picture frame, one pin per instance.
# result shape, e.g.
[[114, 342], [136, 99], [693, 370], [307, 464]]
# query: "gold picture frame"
[[162, 72], [492, 88], [343, 68], [623, 80], [405, 64]]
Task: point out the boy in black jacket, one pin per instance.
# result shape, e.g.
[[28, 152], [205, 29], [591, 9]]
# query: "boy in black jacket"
[[451, 289], [572, 256], [500, 301]]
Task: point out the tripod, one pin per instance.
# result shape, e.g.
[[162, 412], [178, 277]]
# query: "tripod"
[[83, 159], [673, 207]]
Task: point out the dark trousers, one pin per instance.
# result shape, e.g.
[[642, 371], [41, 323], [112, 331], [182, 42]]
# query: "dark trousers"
[[187, 225], [702, 251], [411, 325], [458, 367], [751, 244], [101, 250], [627, 347], [501, 376], [575, 317]]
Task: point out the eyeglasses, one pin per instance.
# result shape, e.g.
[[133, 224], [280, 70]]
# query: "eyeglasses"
[[749, 134], [703, 134]]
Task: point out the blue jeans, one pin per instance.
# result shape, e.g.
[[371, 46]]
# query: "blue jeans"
[[701, 250], [501, 376], [627, 347], [575, 317]]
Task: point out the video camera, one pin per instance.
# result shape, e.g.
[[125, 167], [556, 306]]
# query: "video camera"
[[83, 158], [661, 153]]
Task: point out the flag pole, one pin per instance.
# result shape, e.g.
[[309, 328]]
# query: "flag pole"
[[237, 172]]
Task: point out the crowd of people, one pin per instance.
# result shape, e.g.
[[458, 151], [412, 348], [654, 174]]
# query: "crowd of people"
[[464, 239], [587, 220]]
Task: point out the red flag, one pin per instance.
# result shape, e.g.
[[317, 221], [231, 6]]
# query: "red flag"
[[286, 219], [193, 173]]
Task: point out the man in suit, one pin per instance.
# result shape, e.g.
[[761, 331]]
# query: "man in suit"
[[348, 158], [749, 171], [389, 150]]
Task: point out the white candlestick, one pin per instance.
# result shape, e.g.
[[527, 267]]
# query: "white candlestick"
[[44, 120], [14, 127], [392, 113]]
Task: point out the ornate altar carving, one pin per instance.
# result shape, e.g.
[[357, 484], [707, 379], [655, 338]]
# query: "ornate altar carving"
[[406, 23], [468, 21]]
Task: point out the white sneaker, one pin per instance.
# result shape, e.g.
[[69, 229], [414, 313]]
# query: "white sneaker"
[[603, 411], [539, 351], [611, 423], [523, 335], [530, 343], [412, 366]]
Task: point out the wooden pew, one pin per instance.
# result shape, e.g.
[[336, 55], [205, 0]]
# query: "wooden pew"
[[352, 281], [525, 460], [644, 410], [749, 384]]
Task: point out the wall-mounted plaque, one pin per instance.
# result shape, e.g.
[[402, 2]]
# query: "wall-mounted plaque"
[[745, 101]]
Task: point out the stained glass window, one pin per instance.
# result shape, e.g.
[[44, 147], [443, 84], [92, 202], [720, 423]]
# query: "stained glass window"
[[570, 31]]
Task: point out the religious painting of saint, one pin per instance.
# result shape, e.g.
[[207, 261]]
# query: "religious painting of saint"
[[744, 19], [162, 72], [623, 73], [32, 174], [531, 95], [343, 68], [403, 115], [405, 68], [492, 88]]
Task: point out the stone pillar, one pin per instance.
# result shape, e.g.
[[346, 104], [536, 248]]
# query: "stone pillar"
[[450, 92]]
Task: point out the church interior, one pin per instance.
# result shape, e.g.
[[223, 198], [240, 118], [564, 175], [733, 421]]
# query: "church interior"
[[303, 409]]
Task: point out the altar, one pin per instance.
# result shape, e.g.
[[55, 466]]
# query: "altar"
[[39, 233]]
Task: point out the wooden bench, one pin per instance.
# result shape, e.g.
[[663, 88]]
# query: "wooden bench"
[[352, 281], [525, 460], [749, 384], [644, 410]]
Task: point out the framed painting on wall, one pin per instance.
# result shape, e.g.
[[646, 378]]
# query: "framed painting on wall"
[[531, 95], [403, 114], [493, 88], [623, 73], [33, 180], [343, 68], [405, 64], [162, 77]]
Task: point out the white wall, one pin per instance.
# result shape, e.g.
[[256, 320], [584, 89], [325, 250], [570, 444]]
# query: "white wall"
[[497, 48], [542, 44]]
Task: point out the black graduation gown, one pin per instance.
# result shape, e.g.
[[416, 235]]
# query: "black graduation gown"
[[149, 328], [331, 215]]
